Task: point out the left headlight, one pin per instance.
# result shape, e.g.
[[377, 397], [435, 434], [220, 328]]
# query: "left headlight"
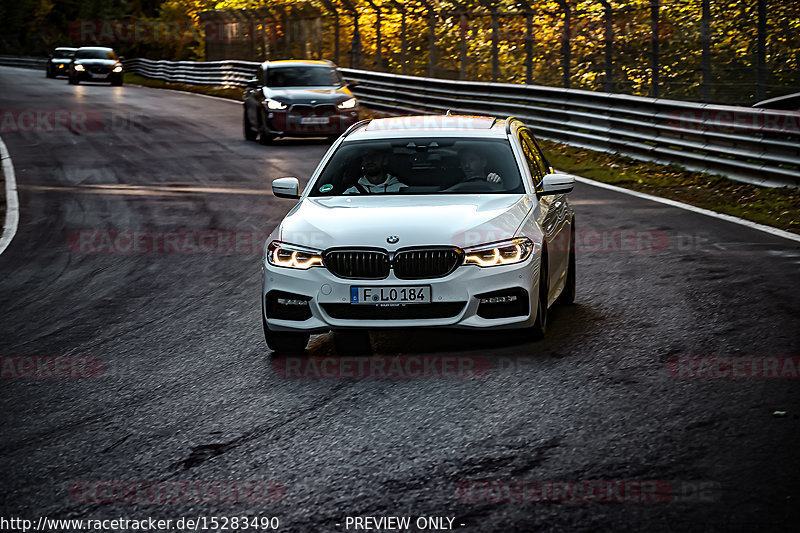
[[79, 67], [118, 68], [500, 253], [290, 256], [348, 104], [274, 104]]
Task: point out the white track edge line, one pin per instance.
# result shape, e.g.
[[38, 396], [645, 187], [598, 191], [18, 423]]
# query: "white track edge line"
[[728, 218], [12, 201]]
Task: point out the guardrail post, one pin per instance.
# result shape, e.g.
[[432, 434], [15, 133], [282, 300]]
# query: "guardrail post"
[[490, 4], [566, 37], [378, 43], [403, 42], [608, 16], [355, 46], [495, 39], [431, 40], [463, 32], [332, 8], [761, 51], [705, 43], [528, 46], [654, 52]]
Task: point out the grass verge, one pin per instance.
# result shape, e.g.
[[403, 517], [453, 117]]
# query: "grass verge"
[[776, 207], [231, 93]]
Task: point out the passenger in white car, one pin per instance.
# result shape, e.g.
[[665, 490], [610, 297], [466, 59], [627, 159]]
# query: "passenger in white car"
[[375, 178]]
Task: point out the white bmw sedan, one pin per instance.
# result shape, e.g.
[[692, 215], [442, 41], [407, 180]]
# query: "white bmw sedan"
[[430, 221]]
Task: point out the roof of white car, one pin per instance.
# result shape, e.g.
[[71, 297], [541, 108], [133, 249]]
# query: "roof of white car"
[[425, 125]]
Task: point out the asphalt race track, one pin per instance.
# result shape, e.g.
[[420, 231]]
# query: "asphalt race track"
[[605, 425]]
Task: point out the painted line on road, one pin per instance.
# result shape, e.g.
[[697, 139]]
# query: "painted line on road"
[[728, 218], [12, 201]]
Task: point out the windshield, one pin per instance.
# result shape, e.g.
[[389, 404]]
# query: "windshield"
[[421, 166], [303, 77], [95, 54], [63, 54]]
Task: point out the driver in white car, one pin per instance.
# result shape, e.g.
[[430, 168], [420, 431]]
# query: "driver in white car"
[[473, 164], [375, 178]]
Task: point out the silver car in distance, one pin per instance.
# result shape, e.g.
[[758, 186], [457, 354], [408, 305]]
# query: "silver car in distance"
[[427, 221]]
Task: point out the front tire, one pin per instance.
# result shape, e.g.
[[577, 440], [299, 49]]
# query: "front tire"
[[568, 294], [539, 328], [284, 342], [249, 133], [117, 82]]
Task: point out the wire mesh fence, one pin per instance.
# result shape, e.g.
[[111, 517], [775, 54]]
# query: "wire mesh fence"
[[736, 52]]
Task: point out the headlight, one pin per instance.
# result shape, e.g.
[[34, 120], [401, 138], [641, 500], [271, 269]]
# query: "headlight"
[[79, 68], [347, 104], [501, 253], [274, 104], [118, 68], [289, 256]]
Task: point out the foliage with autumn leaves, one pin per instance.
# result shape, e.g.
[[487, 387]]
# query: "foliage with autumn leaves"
[[463, 35]]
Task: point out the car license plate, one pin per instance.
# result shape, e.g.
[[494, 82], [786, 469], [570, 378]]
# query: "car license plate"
[[95, 75], [420, 294], [314, 120]]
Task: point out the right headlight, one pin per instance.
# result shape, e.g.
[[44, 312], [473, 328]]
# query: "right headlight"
[[348, 104], [79, 67], [290, 256], [499, 253]]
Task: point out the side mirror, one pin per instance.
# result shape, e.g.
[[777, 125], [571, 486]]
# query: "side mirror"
[[557, 184], [286, 188], [252, 83]]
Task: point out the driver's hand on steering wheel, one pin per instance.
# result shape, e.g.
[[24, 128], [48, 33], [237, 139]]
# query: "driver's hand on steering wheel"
[[494, 178]]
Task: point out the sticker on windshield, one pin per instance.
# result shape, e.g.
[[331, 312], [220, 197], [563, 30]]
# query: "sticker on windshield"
[[325, 188]]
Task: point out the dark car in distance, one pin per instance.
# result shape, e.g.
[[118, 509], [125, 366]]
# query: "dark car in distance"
[[94, 63], [297, 98], [58, 61]]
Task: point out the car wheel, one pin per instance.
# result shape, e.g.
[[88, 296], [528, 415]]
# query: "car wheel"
[[117, 82], [284, 342], [568, 294], [249, 133], [540, 326], [49, 74], [352, 342], [264, 137]]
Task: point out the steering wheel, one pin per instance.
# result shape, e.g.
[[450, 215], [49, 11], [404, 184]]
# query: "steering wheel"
[[474, 185]]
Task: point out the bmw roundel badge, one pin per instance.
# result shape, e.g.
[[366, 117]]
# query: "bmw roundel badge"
[[392, 239]]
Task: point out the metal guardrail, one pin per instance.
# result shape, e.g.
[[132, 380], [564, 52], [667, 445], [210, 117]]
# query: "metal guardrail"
[[757, 146], [23, 62], [232, 73]]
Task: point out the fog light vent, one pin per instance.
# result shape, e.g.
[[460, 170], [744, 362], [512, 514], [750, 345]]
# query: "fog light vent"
[[503, 304], [287, 306]]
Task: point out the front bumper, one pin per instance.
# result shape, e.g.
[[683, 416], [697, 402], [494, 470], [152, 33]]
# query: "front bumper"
[[454, 298], [305, 123], [101, 76]]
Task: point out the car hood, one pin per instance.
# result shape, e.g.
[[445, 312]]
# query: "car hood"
[[437, 220], [307, 96]]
